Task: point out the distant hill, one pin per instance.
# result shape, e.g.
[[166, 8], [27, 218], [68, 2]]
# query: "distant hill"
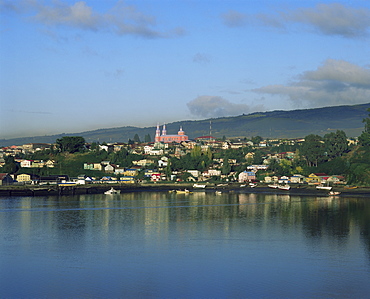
[[274, 124]]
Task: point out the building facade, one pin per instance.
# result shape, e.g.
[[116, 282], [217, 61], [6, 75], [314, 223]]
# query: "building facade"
[[163, 137]]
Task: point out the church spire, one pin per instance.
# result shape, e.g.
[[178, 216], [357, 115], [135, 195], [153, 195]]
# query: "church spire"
[[157, 134], [164, 131]]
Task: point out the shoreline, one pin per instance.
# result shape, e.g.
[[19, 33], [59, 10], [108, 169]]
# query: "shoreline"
[[298, 190]]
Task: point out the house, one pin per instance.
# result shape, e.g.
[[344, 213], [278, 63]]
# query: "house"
[[37, 164], [131, 172], [109, 168], [155, 177], [268, 179], [255, 168], [284, 180], [163, 162], [26, 163], [127, 179], [5, 179], [143, 162], [337, 179], [211, 172], [119, 170], [24, 178], [297, 179], [194, 173], [246, 176], [317, 178], [50, 163]]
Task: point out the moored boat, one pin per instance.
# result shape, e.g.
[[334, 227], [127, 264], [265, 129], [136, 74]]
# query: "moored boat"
[[185, 191], [202, 186], [334, 193], [284, 187], [112, 191], [321, 187]]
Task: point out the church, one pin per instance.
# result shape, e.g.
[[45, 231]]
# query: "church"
[[169, 138]]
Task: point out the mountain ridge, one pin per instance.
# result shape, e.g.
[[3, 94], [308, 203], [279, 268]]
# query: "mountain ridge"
[[270, 124]]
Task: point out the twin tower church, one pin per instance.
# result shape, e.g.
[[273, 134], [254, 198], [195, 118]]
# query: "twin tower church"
[[169, 138]]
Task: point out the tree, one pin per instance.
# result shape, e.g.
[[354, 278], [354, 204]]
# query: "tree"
[[256, 139], [336, 144], [10, 165], [136, 138], [71, 144], [313, 149], [226, 168], [147, 138], [364, 138]]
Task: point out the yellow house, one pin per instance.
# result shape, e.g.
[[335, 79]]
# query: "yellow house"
[[131, 172], [316, 178], [23, 177]]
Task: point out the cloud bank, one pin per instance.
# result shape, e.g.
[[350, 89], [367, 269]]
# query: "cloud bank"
[[121, 19], [335, 82], [213, 106], [328, 19]]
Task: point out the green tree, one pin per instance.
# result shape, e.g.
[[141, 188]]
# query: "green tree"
[[137, 138], [364, 138], [256, 139], [147, 138], [10, 165], [226, 167], [313, 150], [336, 144], [71, 144]]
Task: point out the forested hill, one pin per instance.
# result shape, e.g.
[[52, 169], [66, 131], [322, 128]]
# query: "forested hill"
[[274, 124]]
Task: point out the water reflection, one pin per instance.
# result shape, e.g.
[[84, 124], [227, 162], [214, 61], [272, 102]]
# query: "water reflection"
[[147, 238]]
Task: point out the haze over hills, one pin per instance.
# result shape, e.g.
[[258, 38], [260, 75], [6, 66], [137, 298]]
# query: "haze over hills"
[[274, 124]]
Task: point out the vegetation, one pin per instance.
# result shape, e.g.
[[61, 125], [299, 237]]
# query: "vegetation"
[[329, 154]]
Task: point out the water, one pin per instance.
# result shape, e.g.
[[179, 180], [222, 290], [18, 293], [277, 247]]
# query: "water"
[[202, 245]]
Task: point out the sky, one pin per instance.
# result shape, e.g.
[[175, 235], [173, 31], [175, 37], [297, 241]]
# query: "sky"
[[72, 66]]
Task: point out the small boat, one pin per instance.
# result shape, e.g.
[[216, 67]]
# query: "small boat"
[[274, 186], [199, 186], [252, 185], [112, 191], [284, 187], [185, 191], [334, 193], [321, 187]]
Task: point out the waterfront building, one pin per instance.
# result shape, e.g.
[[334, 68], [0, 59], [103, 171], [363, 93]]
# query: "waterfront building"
[[163, 137]]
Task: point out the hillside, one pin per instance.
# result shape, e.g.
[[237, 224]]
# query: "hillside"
[[274, 124]]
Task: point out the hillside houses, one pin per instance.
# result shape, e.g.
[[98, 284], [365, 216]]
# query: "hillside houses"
[[228, 160]]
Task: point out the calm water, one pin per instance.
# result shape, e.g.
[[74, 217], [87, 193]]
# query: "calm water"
[[202, 245]]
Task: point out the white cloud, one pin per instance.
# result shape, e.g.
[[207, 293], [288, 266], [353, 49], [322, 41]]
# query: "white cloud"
[[335, 82], [213, 106], [327, 19], [121, 19]]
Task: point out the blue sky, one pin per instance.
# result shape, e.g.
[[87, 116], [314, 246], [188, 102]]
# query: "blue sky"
[[71, 66]]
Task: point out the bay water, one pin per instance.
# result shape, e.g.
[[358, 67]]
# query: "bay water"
[[200, 245]]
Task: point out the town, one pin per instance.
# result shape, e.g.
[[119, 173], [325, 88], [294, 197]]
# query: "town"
[[176, 158]]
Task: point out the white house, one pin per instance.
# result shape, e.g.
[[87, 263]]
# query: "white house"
[[246, 176]]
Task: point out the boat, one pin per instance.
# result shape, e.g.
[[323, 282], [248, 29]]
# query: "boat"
[[112, 191], [284, 187], [67, 184], [252, 185], [199, 186], [185, 191], [321, 187], [274, 186], [334, 193]]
